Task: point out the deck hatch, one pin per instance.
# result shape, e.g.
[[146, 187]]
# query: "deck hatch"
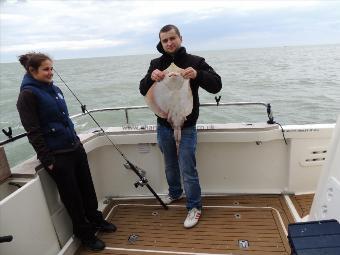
[[262, 222], [161, 231]]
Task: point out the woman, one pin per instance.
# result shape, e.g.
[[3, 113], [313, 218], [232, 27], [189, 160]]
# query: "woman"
[[44, 115]]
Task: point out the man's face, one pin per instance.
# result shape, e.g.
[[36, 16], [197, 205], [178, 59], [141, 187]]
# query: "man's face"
[[170, 41]]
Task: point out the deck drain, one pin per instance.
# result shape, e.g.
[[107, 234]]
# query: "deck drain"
[[243, 244], [237, 216], [133, 238], [154, 213]]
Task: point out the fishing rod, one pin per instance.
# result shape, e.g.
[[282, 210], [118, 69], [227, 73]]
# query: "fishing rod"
[[138, 171]]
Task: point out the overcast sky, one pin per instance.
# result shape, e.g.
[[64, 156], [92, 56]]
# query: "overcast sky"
[[79, 29]]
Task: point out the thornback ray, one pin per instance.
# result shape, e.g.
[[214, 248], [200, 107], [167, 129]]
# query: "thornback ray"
[[171, 99]]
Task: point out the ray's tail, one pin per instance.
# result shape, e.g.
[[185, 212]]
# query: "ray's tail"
[[177, 134]]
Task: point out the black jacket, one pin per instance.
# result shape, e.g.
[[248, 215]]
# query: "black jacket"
[[206, 78]]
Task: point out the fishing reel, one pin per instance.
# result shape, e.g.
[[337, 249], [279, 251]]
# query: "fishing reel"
[[143, 181], [140, 172]]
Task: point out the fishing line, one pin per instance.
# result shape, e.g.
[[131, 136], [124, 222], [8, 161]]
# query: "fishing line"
[[83, 108], [143, 181], [283, 133]]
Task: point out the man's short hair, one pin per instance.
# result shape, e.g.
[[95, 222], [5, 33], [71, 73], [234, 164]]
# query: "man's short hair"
[[167, 28]]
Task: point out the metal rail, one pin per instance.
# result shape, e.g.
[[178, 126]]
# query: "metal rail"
[[126, 109], [129, 108]]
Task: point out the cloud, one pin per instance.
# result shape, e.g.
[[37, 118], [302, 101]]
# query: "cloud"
[[130, 26], [13, 18], [68, 45]]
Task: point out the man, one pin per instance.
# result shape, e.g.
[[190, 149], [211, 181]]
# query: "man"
[[200, 75]]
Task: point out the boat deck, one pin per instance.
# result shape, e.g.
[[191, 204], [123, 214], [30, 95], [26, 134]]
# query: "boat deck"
[[238, 224], [302, 203]]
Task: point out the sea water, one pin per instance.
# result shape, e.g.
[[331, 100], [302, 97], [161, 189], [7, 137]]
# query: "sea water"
[[301, 83]]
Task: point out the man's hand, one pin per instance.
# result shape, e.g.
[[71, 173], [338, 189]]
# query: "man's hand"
[[50, 167], [157, 75], [189, 73]]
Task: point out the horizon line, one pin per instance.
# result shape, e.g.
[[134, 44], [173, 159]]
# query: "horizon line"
[[225, 49]]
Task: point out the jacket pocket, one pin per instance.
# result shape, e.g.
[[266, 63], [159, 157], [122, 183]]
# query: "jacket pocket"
[[56, 129]]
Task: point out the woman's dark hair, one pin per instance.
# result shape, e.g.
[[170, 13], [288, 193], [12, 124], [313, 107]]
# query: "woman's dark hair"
[[33, 60], [167, 28]]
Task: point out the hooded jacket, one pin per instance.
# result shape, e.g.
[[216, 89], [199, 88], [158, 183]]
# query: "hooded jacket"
[[206, 78], [44, 115]]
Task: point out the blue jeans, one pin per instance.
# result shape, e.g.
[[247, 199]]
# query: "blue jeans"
[[184, 164]]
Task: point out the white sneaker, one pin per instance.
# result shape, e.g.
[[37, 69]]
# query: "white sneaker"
[[168, 200], [192, 218]]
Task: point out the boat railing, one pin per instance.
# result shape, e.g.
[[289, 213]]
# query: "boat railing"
[[127, 109]]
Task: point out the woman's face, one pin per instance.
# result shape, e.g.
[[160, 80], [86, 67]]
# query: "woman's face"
[[44, 72]]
